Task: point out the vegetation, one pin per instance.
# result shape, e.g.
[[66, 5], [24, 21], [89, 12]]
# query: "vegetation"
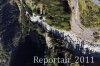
[[23, 19], [58, 15], [89, 13], [57, 50], [3, 54], [57, 12], [30, 4], [96, 36]]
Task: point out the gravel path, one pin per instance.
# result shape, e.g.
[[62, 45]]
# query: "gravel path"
[[96, 2], [76, 26]]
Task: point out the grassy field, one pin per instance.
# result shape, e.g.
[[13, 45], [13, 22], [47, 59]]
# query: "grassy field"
[[90, 13]]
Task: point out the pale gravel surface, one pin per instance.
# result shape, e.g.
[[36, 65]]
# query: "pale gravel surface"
[[48, 41], [76, 23], [76, 26], [96, 2], [72, 36]]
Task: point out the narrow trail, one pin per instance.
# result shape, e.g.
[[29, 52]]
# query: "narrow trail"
[[76, 26], [71, 36], [96, 2]]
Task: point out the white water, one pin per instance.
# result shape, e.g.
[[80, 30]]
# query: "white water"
[[69, 35]]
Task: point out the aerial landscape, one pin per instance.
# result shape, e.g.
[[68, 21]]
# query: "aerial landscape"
[[49, 32]]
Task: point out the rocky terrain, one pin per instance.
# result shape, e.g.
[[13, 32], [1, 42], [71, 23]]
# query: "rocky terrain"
[[40, 28]]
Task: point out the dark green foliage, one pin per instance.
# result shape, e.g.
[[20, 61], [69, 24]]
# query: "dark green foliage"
[[89, 13], [57, 12]]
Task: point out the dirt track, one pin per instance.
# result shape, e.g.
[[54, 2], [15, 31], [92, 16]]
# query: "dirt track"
[[76, 26]]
